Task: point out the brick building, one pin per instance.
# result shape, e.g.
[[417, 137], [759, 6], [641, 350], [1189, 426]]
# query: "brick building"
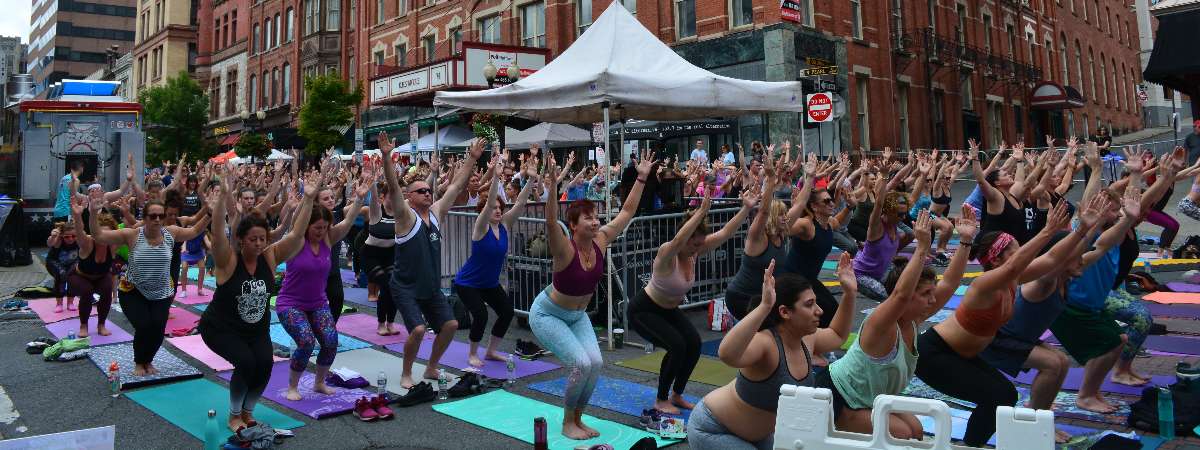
[[165, 41], [222, 44], [73, 38]]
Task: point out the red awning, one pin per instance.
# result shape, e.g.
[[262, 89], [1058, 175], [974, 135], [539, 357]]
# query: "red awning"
[[230, 139], [1050, 95]]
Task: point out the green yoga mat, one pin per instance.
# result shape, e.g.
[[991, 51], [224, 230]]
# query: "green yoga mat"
[[708, 370], [512, 415], [185, 404]]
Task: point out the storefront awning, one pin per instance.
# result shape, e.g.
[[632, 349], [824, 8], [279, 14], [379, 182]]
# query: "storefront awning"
[[230, 139], [1050, 95], [1175, 62]]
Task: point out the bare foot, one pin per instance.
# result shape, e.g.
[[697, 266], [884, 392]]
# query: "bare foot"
[[139, 370], [103, 330], [493, 356], [407, 382], [323, 389], [372, 298], [1128, 379], [70, 305], [431, 373], [590, 431], [58, 308], [1094, 404], [248, 417], [681, 402], [382, 331], [474, 361], [236, 422], [83, 332], [293, 394], [150, 369], [574, 431], [392, 331], [1061, 437], [665, 406]]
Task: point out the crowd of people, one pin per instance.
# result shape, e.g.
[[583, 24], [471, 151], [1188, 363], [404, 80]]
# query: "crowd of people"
[[1048, 264]]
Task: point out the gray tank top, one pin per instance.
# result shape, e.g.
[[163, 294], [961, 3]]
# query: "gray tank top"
[[749, 277], [149, 266], [764, 394]]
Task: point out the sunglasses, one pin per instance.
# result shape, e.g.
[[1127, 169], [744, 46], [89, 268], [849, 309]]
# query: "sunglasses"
[[155, 216], [827, 201], [421, 191]]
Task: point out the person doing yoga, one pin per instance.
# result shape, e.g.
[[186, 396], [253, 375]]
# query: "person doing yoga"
[[771, 347], [91, 279], [764, 241], [379, 250], [811, 238], [1003, 191], [883, 236]]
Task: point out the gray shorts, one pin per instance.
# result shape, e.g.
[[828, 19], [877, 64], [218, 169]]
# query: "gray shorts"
[[433, 311]]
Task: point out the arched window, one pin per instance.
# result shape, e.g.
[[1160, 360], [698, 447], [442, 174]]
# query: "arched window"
[[1092, 71]]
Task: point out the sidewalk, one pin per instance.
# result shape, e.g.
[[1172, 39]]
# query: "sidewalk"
[[13, 279]]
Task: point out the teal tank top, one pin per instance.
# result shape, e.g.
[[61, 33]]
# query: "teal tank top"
[[860, 377]]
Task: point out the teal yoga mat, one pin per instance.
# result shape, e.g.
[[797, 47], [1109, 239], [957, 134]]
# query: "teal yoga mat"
[[512, 415], [345, 343], [614, 395], [186, 404]]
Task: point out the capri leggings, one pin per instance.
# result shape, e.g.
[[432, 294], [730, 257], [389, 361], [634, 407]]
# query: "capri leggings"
[[477, 302], [84, 286], [569, 334], [377, 264], [1188, 208], [1169, 225], [671, 330], [867, 285], [705, 432], [1132, 312], [942, 368], [251, 359], [309, 329]]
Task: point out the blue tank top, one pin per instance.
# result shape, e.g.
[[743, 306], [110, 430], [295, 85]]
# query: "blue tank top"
[[482, 269], [1031, 319]]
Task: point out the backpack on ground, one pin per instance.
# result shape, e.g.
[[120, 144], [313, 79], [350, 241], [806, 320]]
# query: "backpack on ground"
[[1190, 249], [1143, 414]]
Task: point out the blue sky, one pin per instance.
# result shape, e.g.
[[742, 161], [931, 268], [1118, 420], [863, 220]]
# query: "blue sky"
[[15, 20]]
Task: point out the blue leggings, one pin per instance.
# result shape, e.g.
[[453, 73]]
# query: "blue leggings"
[[570, 336], [308, 328], [1132, 312]]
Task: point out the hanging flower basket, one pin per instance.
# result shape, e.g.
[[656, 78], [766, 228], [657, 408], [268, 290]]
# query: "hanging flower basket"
[[485, 126]]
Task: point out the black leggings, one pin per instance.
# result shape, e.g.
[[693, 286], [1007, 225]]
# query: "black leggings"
[[825, 300], [942, 368], [149, 320], [335, 293], [378, 267], [669, 329], [477, 302], [251, 359], [84, 286]]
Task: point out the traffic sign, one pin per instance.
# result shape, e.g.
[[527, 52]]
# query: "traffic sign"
[[820, 107], [817, 62], [818, 71]]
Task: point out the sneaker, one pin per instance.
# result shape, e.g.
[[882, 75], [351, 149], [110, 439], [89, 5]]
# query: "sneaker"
[[423, 392], [650, 420], [467, 385], [379, 404], [940, 259], [529, 350], [363, 410]]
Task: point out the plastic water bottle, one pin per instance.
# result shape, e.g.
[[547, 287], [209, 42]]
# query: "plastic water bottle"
[[510, 364], [1146, 266], [114, 379], [442, 382], [381, 384], [831, 357], [71, 335], [1166, 414], [649, 348], [539, 434], [212, 434]]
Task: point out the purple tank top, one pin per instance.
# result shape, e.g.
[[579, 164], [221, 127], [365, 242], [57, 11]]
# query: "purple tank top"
[[875, 256], [304, 280]]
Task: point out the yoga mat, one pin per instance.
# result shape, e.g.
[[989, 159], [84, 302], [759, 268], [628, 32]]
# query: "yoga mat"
[[1179, 286], [456, 357], [1064, 406], [62, 328], [186, 406], [204, 307], [45, 310], [369, 362], [1075, 379], [358, 296], [195, 347], [958, 426], [710, 347], [209, 280], [193, 297], [1173, 344], [961, 290], [614, 395], [345, 343], [363, 326], [180, 318], [512, 415], [170, 367], [708, 370], [1152, 442], [954, 301], [311, 403], [349, 277], [826, 265], [1182, 311]]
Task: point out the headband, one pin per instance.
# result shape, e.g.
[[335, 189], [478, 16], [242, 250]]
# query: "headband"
[[95, 186], [997, 247]]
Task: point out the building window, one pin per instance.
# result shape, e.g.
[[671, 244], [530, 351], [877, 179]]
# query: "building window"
[[1087, 129], [1012, 40], [856, 25], [401, 55], [1092, 71], [939, 118], [353, 69], [583, 14], [1018, 120], [333, 17], [1062, 60], [353, 14], [489, 30], [217, 34], [533, 25], [1049, 59], [685, 18], [630, 5], [225, 32], [1070, 122], [287, 84], [1079, 65], [379, 58], [961, 9], [455, 40], [967, 94], [995, 124], [902, 105], [311, 9], [897, 20], [253, 93], [987, 32], [1103, 80], [274, 83], [233, 28], [379, 16], [254, 39], [231, 89], [291, 24], [268, 37], [278, 38], [158, 19], [429, 46], [266, 81], [1085, 14], [743, 12], [862, 120], [401, 7]]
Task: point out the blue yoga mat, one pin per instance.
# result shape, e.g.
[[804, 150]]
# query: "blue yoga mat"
[[958, 426], [710, 348], [954, 301], [203, 306], [185, 404], [614, 395], [345, 343]]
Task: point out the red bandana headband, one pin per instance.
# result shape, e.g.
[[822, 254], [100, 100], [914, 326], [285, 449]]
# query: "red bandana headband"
[[997, 247]]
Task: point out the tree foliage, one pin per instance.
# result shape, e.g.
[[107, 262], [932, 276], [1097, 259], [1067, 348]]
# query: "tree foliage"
[[253, 145], [327, 107], [175, 116]]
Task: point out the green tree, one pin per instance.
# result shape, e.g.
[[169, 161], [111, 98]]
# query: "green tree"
[[253, 145], [175, 116], [327, 107]]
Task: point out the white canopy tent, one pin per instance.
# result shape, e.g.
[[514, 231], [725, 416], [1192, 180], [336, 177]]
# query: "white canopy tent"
[[430, 142], [546, 135]]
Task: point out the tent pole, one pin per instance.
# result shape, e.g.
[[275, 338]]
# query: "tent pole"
[[608, 218]]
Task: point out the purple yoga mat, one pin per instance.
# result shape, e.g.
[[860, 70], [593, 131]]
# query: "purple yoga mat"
[[1173, 344], [456, 357], [1075, 379], [1176, 310], [312, 404], [62, 328], [1179, 286]]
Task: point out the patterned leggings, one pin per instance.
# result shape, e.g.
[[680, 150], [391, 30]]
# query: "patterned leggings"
[[1130, 310], [309, 328], [1190, 209]]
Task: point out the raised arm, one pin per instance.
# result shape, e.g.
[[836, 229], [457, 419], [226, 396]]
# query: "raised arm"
[[664, 261], [1011, 270], [293, 241], [124, 236], [556, 238], [610, 231], [750, 198], [480, 229], [990, 193], [518, 207], [405, 218], [86, 244], [442, 206], [735, 349], [967, 226], [829, 339], [223, 253], [878, 335], [1054, 261], [875, 225], [339, 231]]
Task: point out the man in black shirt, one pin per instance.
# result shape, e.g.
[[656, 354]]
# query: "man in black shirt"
[[1192, 142]]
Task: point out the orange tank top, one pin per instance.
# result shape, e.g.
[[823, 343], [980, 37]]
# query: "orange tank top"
[[986, 322]]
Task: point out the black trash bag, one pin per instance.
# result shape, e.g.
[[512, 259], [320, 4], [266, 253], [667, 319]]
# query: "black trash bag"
[[14, 242]]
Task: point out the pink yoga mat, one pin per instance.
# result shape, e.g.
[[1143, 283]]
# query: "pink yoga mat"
[[456, 357], [45, 310], [311, 403], [1172, 298], [363, 326], [194, 298], [195, 347], [62, 328], [1075, 379], [181, 318], [1179, 286]]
